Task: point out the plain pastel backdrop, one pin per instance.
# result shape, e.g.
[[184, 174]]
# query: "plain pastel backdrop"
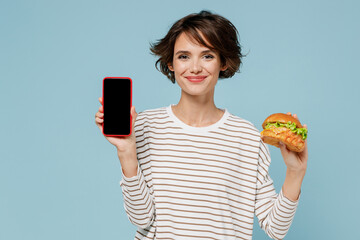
[[59, 177]]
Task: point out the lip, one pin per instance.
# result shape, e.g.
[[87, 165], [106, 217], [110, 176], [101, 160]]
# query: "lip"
[[196, 78]]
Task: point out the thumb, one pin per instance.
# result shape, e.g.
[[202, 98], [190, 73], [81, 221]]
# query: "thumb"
[[133, 115], [283, 149]]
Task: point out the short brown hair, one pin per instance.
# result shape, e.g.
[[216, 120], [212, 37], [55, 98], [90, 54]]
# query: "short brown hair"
[[219, 32]]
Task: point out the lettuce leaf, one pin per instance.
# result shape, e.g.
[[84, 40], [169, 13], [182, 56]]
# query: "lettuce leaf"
[[291, 126]]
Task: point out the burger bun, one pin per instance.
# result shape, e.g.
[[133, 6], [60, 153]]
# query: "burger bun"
[[274, 136]]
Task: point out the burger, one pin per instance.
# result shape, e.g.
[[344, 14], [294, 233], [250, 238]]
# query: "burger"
[[280, 127]]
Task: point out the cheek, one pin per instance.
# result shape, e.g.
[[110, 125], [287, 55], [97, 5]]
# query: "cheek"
[[214, 67], [179, 67]]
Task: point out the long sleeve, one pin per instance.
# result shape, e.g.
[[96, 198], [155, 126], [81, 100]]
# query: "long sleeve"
[[274, 211], [138, 202]]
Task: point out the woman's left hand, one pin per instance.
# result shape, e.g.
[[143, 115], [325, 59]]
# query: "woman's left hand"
[[295, 162]]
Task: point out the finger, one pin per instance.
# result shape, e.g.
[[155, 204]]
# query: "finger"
[[100, 100], [295, 116], [133, 118], [99, 115], [133, 113], [99, 120], [101, 109], [284, 151], [288, 113], [304, 153], [305, 126]]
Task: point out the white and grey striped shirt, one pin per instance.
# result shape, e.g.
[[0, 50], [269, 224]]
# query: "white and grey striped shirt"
[[202, 182]]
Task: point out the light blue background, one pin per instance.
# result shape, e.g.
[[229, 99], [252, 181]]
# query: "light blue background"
[[59, 177]]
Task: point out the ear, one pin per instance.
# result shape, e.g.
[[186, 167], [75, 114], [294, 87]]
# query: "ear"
[[170, 67], [224, 67]]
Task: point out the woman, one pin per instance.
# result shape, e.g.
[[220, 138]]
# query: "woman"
[[195, 171]]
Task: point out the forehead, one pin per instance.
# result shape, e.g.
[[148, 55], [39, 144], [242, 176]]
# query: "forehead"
[[185, 40]]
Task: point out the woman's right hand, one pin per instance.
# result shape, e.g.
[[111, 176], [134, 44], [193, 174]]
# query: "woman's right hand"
[[123, 144]]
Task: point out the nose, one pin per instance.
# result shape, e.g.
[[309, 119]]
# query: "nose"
[[195, 66]]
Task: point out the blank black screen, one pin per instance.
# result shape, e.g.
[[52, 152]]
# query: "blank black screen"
[[117, 104]]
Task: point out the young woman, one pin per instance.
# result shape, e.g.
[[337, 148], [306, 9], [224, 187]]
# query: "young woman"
[[193, 170]]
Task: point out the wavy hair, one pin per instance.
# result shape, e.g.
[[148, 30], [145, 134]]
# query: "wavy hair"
[[218, 31]]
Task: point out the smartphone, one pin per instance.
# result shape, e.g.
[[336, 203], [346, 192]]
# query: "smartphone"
[[117, 101]]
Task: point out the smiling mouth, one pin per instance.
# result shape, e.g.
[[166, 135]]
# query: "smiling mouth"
[[196, 79]]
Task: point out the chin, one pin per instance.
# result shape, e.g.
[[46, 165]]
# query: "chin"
[[196, 91]]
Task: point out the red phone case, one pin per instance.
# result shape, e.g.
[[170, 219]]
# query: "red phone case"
[[130, 106]]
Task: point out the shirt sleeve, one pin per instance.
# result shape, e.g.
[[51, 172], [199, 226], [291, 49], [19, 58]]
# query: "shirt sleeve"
[[138, 202], [275, 212]]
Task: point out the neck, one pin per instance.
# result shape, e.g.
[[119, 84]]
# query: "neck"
[[197, 111]]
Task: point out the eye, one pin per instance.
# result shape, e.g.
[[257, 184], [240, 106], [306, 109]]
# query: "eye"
[[182, 57], [209, 56]]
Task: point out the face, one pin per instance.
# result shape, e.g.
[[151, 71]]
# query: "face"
[[196, 67]]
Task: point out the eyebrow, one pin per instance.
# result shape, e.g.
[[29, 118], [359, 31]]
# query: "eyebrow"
[[187, 52]]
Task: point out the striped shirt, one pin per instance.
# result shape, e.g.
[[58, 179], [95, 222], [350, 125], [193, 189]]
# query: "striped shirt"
[[202, 182]]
